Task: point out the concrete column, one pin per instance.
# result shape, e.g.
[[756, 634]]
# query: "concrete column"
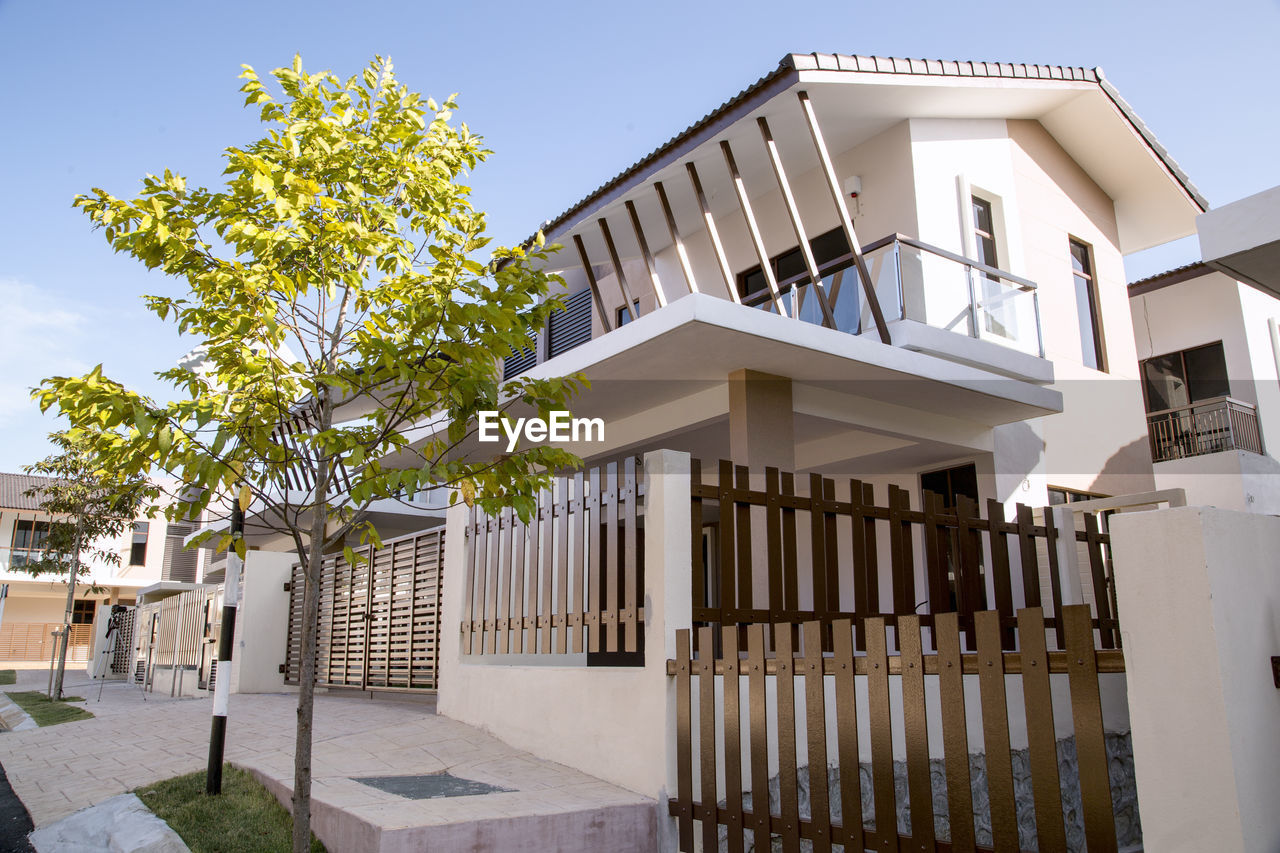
[[761, 420], [1199, 606]]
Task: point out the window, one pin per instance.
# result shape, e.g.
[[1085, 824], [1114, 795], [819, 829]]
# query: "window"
[[1186, 377], [832, 255], [998, 316], [82, 612], [1086, 291], [626, 315], [138, 548], [1059, 496], [29, 537]]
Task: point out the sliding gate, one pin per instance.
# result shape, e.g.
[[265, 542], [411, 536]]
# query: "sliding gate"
[[379, 621]]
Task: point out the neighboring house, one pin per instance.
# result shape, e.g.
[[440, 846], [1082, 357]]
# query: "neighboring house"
[[151, 551], [1209, 355]]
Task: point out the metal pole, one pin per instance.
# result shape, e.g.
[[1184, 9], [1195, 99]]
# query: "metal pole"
[[226, 636]]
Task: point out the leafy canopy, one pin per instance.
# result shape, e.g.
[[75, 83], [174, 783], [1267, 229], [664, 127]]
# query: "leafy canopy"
[[342, 291]]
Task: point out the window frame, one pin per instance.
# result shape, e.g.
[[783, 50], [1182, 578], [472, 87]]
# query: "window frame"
[[1090, 276], [633, 314], [145, 532], [1186, 382]]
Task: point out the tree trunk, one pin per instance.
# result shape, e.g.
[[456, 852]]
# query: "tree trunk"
[[56, 693], [307, 673]]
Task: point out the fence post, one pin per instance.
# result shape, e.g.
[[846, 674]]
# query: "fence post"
[[668, 595], [1199, 593]]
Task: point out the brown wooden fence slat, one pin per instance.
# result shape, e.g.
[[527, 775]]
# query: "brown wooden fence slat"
[[494, 553], [684, 738], [818, 549], [506, 544], [699, 567], [816, 729], [878, 710], [742, 526], [995, 730], [969, 591], [831, 553], [847, 736], [904, 585], [955, 739], [1055, 579], [546, 568], [1027, 550], [773, 543], [728, 539], [595, 592], [915, 727], [872, 560], [578, 508], [790, 566], [1101, 589], [561, 618], [707, 797], [759, 718], [520, 537], [1091, 744], [630, 532], [469, 581], [935, 557], [732, 740], [1000, 571], [612, 560], [864, 604], [787, 777], [1042, 742]]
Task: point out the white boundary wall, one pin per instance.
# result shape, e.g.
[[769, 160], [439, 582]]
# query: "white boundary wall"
[[1199, 603]]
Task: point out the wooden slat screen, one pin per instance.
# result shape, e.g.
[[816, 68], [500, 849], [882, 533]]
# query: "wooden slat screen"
[[823, 554], [710, 793], [570, 580], [378, 625]]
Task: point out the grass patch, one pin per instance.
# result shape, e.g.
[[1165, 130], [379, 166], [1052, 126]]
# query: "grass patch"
[[244, 818], [47, 713], [8, 676]]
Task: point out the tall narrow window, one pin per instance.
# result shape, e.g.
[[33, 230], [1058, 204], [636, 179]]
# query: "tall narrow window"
[[1086, 291], [626, 315], [138, 548], [997, 317], [28, 541]]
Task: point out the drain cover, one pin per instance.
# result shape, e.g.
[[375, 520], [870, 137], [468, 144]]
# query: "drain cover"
[[430, 787]]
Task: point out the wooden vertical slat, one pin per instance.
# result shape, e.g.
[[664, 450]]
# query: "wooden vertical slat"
[[773, 543], [995, 730], [935, 556], [1055, 578], [728, 542], [627, 299], [759, 714], [631, 534], [904, 572], [684, 739], [676, 241], [561, 485], [816, 729], [1001, 581], [592, 283], [531, 583], [505, 546], [753, 230], [468, 588], [707, 796], [915, 727], [831, 550], [578, 509], [699, 566], [790, 553], [520, 535], [717, 247], [818, 547], [594, 566], [878, 711], [1091, 744], [847, 736], [742, 526], [1046, 787], [1101, 590], [863, 605], [787, 778], [546, 550], [649, 265], [486, 600], [1027, 551], [969, 589], [612, 571], [955, 739], [872, 551], [732, 740]]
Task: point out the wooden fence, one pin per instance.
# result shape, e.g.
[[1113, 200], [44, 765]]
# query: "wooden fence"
[[749, 822], [379, 620], [823, 558], [570, 580]]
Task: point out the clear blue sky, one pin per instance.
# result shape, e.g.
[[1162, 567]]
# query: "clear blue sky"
[[99, 94]]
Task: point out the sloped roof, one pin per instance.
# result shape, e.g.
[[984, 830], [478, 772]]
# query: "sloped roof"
[[792, 63], [13, 488], [1185, 272]]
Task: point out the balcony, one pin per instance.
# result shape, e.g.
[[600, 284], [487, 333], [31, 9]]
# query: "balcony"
[[932, 300], [1207, 426]]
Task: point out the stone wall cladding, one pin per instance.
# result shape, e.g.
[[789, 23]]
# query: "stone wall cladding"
[[1124, 797]]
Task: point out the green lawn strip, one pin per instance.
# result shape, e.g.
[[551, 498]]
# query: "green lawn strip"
[[8, 676], [244, 818], [47, 713]]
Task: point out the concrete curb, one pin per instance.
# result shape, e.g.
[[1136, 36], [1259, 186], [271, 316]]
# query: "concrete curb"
[[13, 718], [121, 823]]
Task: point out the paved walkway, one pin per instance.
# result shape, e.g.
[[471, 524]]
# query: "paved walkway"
[[138, 739]]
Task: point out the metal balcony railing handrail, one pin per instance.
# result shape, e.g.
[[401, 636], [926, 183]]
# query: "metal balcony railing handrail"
[[1022, 283], [1206, 404]]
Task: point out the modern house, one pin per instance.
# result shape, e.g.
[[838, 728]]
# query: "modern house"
[[151, 554], [1209, 353]]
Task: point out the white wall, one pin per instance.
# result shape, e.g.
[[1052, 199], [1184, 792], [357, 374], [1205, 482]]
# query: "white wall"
[[1199, 598], [262, 624]]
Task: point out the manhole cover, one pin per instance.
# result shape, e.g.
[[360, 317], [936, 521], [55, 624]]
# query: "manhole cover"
[[430, 787]]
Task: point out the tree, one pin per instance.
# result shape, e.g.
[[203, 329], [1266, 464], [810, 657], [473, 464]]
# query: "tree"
[[89, 505], [343, 292]]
